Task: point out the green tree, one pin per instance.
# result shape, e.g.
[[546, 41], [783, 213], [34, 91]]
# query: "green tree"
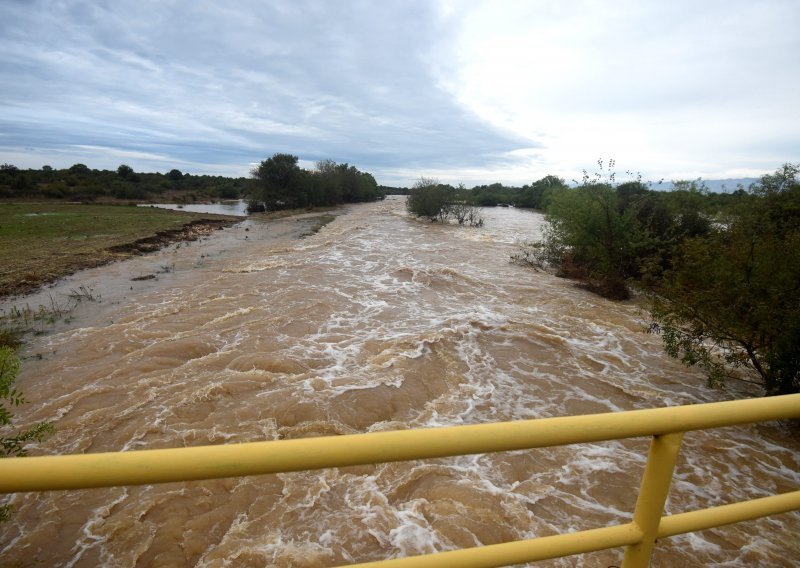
[[279, 182], [12, 443], [594, 238], [125, 171], [732, 297], [438, 202], [611, 234], [22, 185], [80, 169], [328, 182], [690, 202], [428, 198], [537, 195]]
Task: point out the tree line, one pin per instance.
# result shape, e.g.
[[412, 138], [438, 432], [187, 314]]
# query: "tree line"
[[280, 183], [439, 202], [81, 183], [721, 271], [532, 196]]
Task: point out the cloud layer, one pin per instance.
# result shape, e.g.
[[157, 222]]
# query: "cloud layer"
[[466, 91]]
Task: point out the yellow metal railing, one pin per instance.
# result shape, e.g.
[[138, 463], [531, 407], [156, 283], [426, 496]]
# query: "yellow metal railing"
[[665, 425]]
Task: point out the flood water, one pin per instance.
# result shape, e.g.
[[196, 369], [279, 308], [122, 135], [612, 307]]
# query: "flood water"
[[230, 207], [377, 322]]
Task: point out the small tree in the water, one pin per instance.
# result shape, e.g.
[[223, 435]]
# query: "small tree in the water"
[[438, 202], [428, 198]]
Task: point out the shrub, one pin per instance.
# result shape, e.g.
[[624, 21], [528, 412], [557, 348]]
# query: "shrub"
[[428, 198], [12, 444]]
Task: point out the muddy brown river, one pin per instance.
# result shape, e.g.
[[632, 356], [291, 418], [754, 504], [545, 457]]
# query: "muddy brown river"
[[377, 322]]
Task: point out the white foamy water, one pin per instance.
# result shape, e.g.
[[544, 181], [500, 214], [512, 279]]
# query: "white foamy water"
[[377, 322]]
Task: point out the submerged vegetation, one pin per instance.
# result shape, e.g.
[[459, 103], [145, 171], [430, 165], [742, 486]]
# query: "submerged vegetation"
[[20, 320], [319, 222], [722, 273], [439, 203]]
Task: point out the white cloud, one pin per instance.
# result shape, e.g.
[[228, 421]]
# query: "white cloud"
[[675, 88], [474, 91]]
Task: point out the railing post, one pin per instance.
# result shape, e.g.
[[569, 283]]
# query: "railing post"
[[652, 496]]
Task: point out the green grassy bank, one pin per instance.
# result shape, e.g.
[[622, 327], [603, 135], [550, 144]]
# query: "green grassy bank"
[[41, 242]]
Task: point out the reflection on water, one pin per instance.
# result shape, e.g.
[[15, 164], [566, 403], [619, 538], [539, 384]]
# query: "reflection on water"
[[376, 322], [233, 207]]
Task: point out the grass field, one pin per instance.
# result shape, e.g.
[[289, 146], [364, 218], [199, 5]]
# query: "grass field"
[[41, 242]]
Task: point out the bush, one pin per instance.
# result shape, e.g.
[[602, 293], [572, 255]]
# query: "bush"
[[428, 198], [595, 237], [12, 444], [730, 297]]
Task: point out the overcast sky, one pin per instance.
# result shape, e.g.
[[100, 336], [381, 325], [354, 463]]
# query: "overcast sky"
[[465, 91]]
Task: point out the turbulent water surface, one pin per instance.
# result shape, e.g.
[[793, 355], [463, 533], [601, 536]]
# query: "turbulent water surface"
[[377, 322]]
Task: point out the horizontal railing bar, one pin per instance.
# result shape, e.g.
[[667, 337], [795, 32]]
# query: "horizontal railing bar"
[[518, 552], [109, 469], [542, 548], [682, 523]]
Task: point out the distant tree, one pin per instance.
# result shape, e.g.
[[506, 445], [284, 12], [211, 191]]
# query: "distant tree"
[[326, 167], [79, 169], [47, 174], [390, 190], [537, 195], [22, 185], [228, 192], [492, 195], [125, 171], [83, 184]]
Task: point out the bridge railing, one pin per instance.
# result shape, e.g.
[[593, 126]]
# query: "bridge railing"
[[666, 426]]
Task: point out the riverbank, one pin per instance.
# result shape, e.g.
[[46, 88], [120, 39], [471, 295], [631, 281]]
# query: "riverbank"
[[43, 242]]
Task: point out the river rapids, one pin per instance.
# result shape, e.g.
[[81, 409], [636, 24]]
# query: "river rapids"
[[377, 322]]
